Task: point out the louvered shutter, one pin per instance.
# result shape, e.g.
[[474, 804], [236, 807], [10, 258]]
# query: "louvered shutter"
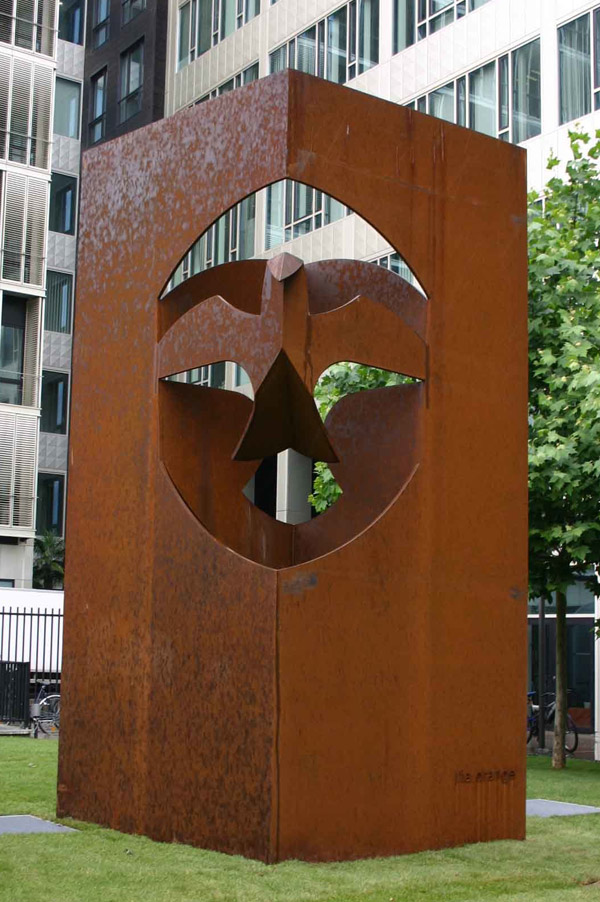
[[6, 21], [24, 24], [4, 95], [31, 354], [14, 222], [35, 232], [20, 112], [7, 456], [25, 471], [40, 120], [46, 18]]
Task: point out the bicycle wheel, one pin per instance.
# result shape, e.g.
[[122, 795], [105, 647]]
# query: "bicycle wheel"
[[48, 720], [531, 728], [571, 735]]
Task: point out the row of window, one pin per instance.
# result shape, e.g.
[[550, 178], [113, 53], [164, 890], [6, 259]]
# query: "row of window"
[[502, 98], [416, 19], [101, 18], [131, 82], [203, 23], [340, 46]]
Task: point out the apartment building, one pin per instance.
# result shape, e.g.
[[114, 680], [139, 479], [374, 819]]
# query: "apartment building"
[[28, 40]]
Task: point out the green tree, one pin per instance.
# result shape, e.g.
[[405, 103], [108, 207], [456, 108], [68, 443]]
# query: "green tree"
[[564, 393], [48, 561], [339, 380]]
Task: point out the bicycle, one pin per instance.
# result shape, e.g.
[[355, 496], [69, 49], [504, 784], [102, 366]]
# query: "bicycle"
[[45, 712], [571, 733]]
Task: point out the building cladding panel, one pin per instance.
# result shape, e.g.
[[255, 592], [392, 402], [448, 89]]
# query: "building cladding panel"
[[148, 26]]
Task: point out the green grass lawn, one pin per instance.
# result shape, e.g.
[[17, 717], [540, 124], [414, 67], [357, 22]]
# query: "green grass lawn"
[[559, 860]]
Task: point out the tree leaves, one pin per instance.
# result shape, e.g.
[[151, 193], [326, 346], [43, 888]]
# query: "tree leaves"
[[564, 374]]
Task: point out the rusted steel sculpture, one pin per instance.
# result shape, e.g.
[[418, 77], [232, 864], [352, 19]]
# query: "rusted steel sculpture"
[[319, 691]]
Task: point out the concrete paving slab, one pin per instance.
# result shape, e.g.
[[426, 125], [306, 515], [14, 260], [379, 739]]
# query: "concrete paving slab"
[[27, 823], [548, 808]]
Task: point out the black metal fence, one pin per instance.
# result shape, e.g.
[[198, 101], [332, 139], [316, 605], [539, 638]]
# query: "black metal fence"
[[30, 655]]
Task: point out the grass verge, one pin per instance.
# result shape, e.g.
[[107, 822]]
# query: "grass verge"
[[559, 860]]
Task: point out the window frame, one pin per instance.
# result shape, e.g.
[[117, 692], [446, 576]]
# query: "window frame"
[[135, 8], [101, 118], [100, 27], [593, 17], [135, 94], [70, 280], [73, 185], [72, 81], [66, 380], [62, 479]]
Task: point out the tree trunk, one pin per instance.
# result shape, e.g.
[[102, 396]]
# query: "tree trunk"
[[560, 714]]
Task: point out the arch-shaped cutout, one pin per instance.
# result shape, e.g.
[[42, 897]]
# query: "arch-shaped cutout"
[[291, 210]]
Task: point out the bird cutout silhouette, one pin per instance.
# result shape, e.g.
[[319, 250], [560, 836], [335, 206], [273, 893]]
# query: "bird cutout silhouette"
[[307, 318]]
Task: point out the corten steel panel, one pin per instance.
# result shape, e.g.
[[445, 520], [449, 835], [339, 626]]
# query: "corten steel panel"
[[332, 708]]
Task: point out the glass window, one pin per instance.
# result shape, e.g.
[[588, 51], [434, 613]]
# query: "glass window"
[[336, 46], [12, 342], [59, 288], [475, 4], [278, 59], [250, 74], [228, 14], [63, 197], [368, 34], [482, 99], [100, 22], [526, 92], [66, 108], [306, 51], [70, 21], [97, 125], [132, 79], [205, 25], [183, 52], [441, 103], [55, 390], [130, 9], [50, 503], [404, 24], [574, 69]]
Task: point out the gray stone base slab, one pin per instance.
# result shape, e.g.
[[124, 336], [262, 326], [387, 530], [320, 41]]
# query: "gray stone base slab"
[[27, 823], [548, 808]]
